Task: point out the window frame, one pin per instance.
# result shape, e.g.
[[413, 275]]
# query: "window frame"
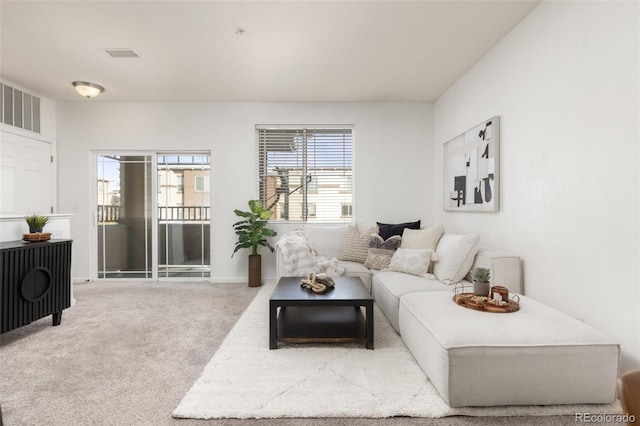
[[325, 189]]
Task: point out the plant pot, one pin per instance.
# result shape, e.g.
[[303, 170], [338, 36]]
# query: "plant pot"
[[34, 230], [255, 270], [481, 289]]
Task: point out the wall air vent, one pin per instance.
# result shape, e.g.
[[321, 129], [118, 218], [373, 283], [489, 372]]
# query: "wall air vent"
[[19, 109], [121, 53]]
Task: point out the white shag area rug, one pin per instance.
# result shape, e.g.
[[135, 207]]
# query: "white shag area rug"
[[245, 379]]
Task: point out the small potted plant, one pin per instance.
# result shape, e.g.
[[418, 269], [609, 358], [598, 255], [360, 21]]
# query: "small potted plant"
[[36, 222], [252, 233], [481, 278]]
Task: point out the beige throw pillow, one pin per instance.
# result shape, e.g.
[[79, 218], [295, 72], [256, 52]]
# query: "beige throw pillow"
[[422, 238], [411, 261], [356, 244], [378, 258]]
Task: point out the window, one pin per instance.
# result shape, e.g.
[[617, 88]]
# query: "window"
[[301, 171], [202, 184], [311, 210], [311, 182], [347, 184], [347, 210], [180, 179]]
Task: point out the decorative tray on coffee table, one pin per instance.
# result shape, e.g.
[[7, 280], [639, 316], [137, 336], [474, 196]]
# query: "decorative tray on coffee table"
[[485, 303]]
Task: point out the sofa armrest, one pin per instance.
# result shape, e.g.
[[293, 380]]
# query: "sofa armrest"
[[505, 268]]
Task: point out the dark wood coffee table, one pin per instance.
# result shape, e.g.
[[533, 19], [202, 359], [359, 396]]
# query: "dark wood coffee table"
[[335, 316]]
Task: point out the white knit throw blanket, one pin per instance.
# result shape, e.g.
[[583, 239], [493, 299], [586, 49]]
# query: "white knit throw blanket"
[[300, 258]]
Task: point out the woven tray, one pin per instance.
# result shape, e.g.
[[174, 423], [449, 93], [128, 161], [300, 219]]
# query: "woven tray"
[[468, 300], [37, 236]]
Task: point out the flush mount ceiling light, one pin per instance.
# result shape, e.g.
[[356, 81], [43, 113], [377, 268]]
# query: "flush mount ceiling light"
[[87, 89]]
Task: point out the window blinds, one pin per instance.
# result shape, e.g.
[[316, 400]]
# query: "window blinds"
[[305, 174]]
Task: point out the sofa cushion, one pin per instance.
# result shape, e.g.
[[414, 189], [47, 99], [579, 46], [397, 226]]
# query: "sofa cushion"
[[326, 240], [356, 244], [411, 261], [387, 230], [535, 356], [389, 286], [455, 257], [505, 268], [356, 269]]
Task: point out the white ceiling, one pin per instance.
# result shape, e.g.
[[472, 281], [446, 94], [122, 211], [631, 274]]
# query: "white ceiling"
[[338, 51]]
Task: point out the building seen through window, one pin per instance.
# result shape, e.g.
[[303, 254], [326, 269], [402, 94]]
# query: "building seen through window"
[[306, 174]]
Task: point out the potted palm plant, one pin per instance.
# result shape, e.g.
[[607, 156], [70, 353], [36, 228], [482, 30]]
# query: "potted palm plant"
[[252, 234]]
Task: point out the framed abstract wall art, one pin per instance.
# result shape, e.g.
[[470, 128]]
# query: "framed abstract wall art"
[[471, 169]]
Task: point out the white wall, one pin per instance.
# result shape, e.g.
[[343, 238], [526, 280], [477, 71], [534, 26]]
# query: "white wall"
[[565, 83], [392, 149]]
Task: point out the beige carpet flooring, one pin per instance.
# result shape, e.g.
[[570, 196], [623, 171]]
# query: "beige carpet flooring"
[[127, 353]]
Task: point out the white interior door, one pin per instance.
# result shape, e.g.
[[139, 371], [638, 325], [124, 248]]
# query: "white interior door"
[[26, 175]]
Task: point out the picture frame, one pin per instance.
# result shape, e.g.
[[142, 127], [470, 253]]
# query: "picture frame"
[[472, 169]]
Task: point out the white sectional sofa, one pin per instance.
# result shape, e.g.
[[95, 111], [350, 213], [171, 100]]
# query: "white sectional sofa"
[[535, 356], [388, 287]]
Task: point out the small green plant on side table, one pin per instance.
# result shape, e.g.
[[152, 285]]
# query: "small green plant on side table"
[[36, 222]]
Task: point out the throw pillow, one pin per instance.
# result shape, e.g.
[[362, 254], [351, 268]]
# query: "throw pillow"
[[455, 257], [380, 251], [356, 244], [422, 238], [387, 230], [378, 258], [411, 261], [391, 243]]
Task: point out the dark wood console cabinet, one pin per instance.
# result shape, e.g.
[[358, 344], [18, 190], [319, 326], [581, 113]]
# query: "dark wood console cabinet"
[[36, 281]]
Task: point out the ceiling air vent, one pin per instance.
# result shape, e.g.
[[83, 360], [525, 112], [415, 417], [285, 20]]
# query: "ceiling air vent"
[[121, 53]]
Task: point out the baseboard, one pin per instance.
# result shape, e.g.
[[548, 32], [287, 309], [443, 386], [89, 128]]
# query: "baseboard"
[[215, 280]]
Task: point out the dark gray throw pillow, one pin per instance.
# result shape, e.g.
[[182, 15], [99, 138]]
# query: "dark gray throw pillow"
[[381, 251], [386, 230], [376, 241]]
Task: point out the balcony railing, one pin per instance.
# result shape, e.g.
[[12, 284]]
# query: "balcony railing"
[[108, 214], [168, 214], [184, 213]]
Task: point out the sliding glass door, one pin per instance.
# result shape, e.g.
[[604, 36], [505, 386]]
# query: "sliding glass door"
[[153, 215], [124, 216], [183, 215]]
